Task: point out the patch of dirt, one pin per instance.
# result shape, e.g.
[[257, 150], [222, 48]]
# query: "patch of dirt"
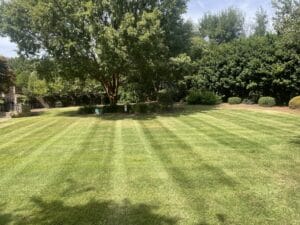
[[284, 109]]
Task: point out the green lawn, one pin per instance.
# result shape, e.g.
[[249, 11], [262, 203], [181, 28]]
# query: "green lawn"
[[206, 166]]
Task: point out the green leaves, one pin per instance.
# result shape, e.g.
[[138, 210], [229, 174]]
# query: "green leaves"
[[7, 77], [223, 27]]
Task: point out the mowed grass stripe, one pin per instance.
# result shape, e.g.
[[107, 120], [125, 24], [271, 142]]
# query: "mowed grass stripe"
[[29, 161], [245, 142], [281, 117], [69, 160], [39, 127], [19, 127], [238, 141], [15, 154], [242, 134], [104, 162], [174, 164], [169, 194], [266, 124], [229, 150], [221, 180], [118, 175], [256, 124]]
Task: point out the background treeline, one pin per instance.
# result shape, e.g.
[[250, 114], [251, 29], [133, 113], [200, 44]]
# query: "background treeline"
[[157, 51]]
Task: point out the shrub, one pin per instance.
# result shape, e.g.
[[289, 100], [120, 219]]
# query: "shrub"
[[26, 109], [164, 98], [234, 100], [115, 108], [295, 103], [202, 97], [267, 101], [153, 107], [87, 109], [140, 108], [58, 104]]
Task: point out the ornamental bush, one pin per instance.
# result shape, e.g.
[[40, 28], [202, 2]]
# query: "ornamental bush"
[[295, 103], [234, 100], [197, 97], [267, 101]]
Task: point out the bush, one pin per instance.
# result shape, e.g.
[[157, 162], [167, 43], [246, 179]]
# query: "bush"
[[115, 108], [26, 109], [153, 107], [267, 101], [140, 108], [295, 103], [164, 98], [58, 104], [87, 109], [196, 97], [234, 100]]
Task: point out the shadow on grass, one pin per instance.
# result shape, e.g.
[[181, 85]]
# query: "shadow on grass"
[[95, 213], [5, 218], [179, 110], [295, 140]]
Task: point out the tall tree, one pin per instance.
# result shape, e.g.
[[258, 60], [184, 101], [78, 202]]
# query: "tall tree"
[[103, 40], [222, 27], [287, 24], [287, 11], [261, 22], [6, 75]]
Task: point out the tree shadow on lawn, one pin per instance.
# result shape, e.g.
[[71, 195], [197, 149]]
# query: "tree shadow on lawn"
[[94, 213], [295, 140], [5, 218], [179, 110]]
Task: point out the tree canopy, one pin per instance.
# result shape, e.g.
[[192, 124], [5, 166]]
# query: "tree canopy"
[[261, 22], [222, 27], [103, 40]]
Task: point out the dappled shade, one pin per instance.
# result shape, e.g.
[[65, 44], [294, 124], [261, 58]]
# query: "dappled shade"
[[94, 213]]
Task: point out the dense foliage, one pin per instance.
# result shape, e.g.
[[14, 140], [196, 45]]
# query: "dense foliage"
[[6, 75], [108, 41], [250, 68], [203, 97]]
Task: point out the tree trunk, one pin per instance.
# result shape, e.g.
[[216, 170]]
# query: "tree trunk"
[[112, 89], [42, 101]]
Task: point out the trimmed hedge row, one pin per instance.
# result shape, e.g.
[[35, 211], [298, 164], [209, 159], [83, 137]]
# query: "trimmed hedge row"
[[138, 108]]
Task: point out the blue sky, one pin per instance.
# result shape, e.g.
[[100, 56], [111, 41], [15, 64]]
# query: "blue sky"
[[196, 9]]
